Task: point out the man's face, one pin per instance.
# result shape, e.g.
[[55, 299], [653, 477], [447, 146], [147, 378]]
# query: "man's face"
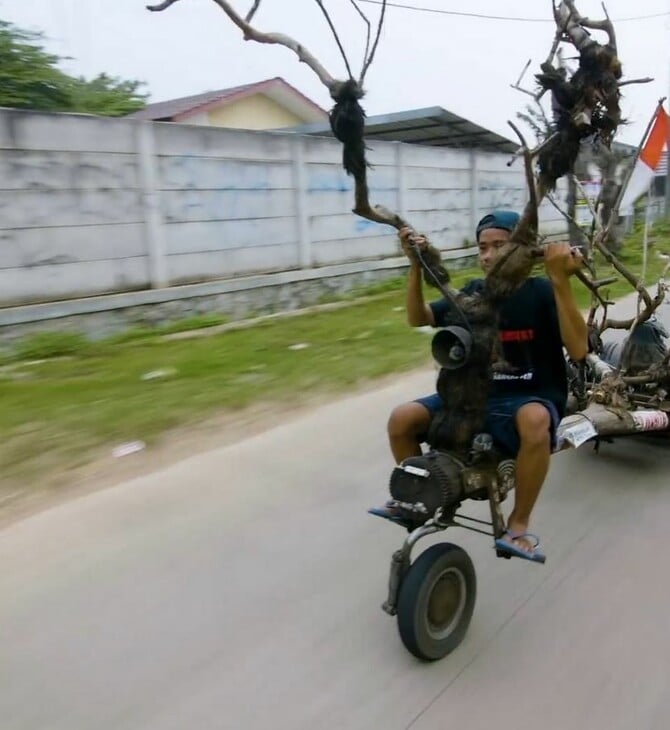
[[491, 241]]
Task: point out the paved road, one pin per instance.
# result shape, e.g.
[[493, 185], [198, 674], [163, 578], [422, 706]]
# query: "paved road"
[[241, 589]]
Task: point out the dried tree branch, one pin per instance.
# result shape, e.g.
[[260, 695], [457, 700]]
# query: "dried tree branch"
[[337, 37], [580, 100], [627, 324], [521, 75], [251, 34], [608, 27], [252, 12], [369, 59], [650, 304], [589, 283], [376, 213], [536, 191], [539, 106], [567, 217], [576, 25], [580, 187], [363, 208], [525, 91], [627, 275], [531, 207], [598, 242], [645, 80], [369, 30], [161, 6], [567, 19], [599, 283], [561, 24], [594, 287]]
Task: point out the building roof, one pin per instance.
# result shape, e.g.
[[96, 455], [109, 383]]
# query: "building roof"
[[275, 88], [433, 126]]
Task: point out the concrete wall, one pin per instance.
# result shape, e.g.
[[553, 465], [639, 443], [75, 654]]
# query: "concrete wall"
[[90, 206]]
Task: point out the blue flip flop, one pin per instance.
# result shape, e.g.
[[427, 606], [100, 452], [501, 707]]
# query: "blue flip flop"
[[511, 550], [389, 513]]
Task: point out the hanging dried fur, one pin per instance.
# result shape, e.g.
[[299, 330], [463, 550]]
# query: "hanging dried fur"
[[585, 106], [347, 120], [464, 392]]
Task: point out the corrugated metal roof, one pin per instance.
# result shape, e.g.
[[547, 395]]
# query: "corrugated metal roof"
[[432, 126]]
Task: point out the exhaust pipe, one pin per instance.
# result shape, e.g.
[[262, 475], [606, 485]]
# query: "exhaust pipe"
[[599, 421]]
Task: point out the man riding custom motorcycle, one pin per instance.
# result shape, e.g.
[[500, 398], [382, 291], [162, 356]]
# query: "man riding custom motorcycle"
[[528, 391]]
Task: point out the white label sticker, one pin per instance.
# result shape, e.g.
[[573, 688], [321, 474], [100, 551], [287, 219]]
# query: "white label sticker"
[[650, 420], [416, 471], [576, 432]]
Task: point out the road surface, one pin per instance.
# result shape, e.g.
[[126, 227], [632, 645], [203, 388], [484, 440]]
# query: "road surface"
[[242, 588]]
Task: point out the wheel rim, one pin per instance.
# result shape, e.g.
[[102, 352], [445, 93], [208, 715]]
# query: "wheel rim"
[[446, 603]]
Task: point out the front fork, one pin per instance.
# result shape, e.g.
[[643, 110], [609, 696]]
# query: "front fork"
[[401, 559]]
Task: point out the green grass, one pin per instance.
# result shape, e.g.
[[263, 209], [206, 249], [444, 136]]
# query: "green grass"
[[50, 345], [65, 398], [63, 408]]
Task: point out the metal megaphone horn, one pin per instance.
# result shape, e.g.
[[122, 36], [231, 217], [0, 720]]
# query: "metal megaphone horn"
[[451, 347]]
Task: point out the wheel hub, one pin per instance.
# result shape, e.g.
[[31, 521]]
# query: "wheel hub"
[[446, 603]]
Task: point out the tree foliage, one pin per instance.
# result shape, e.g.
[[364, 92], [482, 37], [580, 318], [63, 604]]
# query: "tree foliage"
[[30, 79]]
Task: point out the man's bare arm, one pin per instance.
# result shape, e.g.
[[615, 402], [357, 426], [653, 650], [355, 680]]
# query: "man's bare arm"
[[561, 262], [419, 314]]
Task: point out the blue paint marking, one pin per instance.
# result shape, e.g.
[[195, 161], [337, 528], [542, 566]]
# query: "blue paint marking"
[[328, 183], [229, 174], [365, 225]]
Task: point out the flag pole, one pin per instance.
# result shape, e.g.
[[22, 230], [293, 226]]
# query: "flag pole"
[[667, 177], [637, 155], [645, 238]]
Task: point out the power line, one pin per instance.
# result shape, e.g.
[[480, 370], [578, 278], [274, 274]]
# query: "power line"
[[498, 17]]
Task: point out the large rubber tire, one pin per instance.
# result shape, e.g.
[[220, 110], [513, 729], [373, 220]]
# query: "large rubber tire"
[[436, 601]]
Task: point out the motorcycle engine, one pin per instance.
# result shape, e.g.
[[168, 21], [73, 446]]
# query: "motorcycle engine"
[[423, 484]]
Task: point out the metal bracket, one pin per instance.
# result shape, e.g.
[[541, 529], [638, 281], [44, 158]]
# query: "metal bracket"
[[401, 560], [497, 518]]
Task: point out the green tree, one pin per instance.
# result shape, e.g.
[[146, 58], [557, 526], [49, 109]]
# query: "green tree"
[[106, 95], [30, 79]]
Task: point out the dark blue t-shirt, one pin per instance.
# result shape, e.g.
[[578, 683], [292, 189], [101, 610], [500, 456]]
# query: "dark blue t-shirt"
[[531, 342]]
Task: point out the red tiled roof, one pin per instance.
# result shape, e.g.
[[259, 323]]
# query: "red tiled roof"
[[186, 105]]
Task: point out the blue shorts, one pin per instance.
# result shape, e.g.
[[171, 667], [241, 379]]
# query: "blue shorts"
[[501, 418]]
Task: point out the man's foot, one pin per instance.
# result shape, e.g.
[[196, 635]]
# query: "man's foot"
[[520, 544]]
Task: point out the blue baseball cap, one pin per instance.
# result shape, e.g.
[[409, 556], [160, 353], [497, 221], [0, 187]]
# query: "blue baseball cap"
[[504, 219]]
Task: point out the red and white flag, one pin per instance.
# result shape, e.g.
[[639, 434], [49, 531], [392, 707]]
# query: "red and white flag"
[[647, 162]]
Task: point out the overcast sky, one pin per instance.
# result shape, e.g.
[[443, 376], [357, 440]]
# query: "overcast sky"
[[424, 59]]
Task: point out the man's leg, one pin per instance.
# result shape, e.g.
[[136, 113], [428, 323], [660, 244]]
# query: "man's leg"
[[533, 423], [406, 425]]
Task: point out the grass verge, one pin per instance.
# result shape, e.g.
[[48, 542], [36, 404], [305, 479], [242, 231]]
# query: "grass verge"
[[66, 398]]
